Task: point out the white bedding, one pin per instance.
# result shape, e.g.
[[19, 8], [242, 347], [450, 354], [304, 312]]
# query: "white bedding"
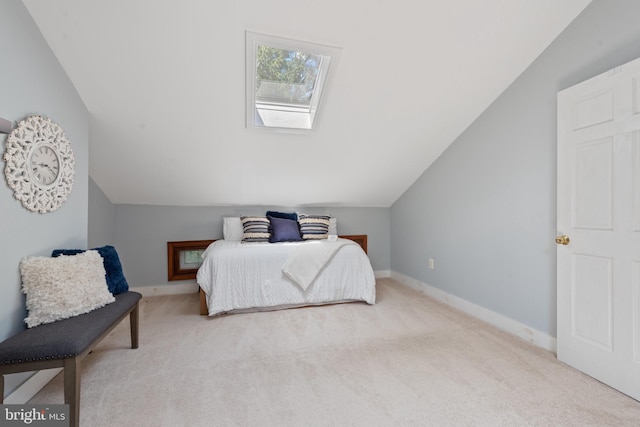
[[249, 276], [307, 261]]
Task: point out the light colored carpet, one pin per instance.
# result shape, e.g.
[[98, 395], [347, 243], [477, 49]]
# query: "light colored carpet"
[[407, 361]]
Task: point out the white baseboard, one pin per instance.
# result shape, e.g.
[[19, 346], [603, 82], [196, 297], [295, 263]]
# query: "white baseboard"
[[177, 289], [500, 321], [382, 274], [31, 386]]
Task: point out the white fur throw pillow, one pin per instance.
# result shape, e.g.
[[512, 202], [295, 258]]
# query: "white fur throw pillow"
[[62, 287]]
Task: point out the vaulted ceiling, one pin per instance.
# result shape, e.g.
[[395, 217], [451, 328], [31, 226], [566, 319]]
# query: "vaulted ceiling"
[[164, 82]]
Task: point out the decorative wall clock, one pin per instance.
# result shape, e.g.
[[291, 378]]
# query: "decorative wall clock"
[[39, 164]]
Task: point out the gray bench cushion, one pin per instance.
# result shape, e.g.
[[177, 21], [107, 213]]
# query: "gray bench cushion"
[[67, 337]]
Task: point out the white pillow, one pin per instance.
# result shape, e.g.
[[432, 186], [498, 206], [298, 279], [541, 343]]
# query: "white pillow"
[[64, 286], [232, 229], [333, 226]]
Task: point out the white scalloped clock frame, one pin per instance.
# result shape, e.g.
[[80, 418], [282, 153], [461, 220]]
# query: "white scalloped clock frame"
[[34, 192]]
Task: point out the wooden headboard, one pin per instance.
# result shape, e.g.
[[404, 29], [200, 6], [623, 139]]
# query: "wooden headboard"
[[360, 239]]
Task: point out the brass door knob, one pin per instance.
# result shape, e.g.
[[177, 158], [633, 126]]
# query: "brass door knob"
[[563, 240]]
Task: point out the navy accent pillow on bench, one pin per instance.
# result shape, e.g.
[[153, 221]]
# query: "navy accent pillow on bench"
[[115, 277]]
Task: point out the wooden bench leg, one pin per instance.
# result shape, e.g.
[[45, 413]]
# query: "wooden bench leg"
[[72, 389], [134, 320]]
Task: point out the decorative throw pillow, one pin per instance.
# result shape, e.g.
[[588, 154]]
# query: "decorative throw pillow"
[[255, 229], [285, 215], [284, 230], [62, 287], [314, 226], [232, 229], [116, 281]]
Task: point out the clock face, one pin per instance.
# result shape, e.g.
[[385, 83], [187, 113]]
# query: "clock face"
[[44, 165]]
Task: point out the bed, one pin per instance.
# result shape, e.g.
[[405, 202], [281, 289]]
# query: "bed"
[[240, 276]]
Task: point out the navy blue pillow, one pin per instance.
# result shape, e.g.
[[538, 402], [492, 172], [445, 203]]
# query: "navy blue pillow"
[[285, 215], [115, 277], [284, 230]]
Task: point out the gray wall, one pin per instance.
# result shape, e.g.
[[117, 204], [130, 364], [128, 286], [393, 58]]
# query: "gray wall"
[[486, 209], [101, 217], [141, 233], [33, 82]]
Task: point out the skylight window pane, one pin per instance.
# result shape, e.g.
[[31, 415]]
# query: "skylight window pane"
[[285, 81], [286, 76]]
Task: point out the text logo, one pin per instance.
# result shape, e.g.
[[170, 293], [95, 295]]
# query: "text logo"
[[34, 415]]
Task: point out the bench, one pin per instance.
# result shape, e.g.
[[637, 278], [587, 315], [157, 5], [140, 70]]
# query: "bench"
[[64, 343]]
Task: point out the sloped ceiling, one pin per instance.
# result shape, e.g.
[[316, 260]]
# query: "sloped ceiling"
[[164, 83]]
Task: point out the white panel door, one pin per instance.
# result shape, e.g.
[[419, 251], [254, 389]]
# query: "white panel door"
[[599, 227]]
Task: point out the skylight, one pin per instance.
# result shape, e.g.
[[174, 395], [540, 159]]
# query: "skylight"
[[285, 81]]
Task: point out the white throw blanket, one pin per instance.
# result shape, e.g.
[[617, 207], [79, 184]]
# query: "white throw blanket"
[[306, 262]]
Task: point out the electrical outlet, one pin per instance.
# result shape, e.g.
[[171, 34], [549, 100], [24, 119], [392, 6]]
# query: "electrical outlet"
[[431, 264]]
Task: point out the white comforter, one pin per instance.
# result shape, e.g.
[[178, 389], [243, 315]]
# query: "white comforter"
[[249, 276]]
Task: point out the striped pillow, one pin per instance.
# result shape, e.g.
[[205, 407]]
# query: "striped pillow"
[[314, 226], [255, 228]]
